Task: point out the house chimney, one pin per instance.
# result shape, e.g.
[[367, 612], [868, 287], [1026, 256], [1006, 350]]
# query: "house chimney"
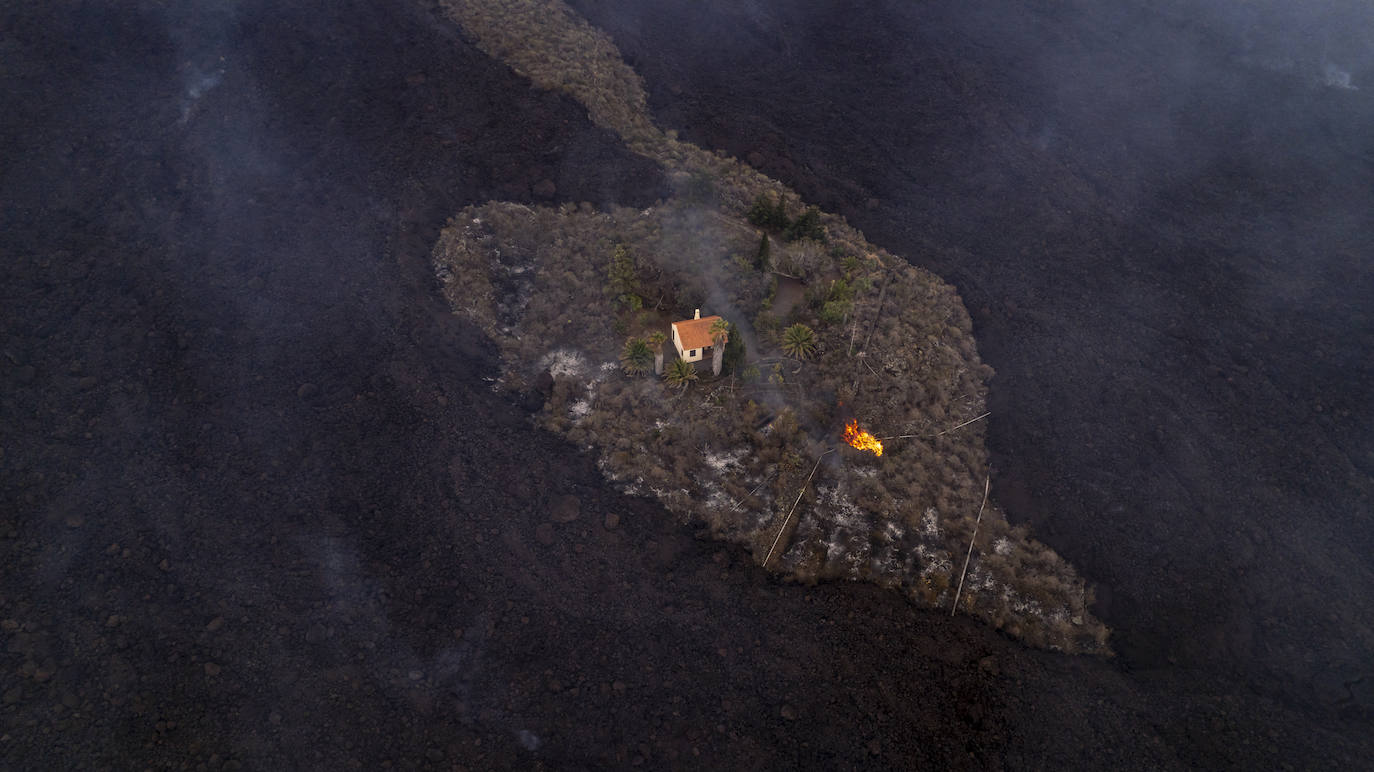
[[698, 314]]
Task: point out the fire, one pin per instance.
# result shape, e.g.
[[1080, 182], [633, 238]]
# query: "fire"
[[861, 439]]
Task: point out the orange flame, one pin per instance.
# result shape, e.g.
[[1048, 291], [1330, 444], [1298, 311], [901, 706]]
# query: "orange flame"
[[861, 439]]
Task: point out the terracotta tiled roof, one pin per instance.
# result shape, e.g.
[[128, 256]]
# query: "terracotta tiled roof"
[[695, 333]]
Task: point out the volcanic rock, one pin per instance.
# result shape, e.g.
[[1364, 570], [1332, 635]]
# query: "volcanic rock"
[[565, 509]]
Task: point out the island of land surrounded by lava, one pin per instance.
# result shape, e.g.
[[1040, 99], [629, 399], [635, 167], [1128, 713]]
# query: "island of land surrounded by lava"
[[820, 335]]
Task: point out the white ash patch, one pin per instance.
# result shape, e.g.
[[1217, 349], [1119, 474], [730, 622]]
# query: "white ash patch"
[[1022, 605], [843, 512], [717, 499], [891, 562], [1002, 546], [884, 565], [723, 461], [855, 559], [599, 375], [930, 524], [893, 531], [603, 463], [564, 363], [846, 544], [866, 472], [580, 409], [933, 562]]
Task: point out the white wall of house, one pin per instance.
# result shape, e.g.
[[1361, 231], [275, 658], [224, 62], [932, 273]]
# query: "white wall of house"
[[691, 354]]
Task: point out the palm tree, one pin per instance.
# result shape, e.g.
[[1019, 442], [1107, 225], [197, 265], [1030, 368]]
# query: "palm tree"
[[680, 373], [635, 357], [799, 342], [720, 332], [656, 341]]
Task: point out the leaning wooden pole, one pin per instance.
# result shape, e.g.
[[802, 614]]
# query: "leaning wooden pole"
[[787, 519], [987, 481]]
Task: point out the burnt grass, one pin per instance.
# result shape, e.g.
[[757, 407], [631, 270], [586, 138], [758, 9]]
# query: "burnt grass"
[[260, 507]]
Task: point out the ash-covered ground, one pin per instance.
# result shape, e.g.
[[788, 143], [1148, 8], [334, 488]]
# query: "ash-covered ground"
[[260, 507]]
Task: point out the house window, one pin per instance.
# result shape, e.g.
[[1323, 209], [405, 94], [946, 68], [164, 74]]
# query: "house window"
[[692, 353]]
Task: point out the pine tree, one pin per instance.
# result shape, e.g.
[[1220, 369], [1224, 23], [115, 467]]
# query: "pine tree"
[[767, 212], [763, 260], [806, 226], [734, 350], [622, 280]]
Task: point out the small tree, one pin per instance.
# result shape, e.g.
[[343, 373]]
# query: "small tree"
[[622, 280], [760, 212], [656, 341], [680, 373], [806, 226], [636, 357], [734, 350], [720, 332], [763, 259], [780, 219], [768, 213], [834, 311], [799, 342]]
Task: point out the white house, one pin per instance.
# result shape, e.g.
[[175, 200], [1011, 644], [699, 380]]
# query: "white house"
[[692, 337]]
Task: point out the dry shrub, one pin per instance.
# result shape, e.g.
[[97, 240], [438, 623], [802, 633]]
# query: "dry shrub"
[[531, 278]]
